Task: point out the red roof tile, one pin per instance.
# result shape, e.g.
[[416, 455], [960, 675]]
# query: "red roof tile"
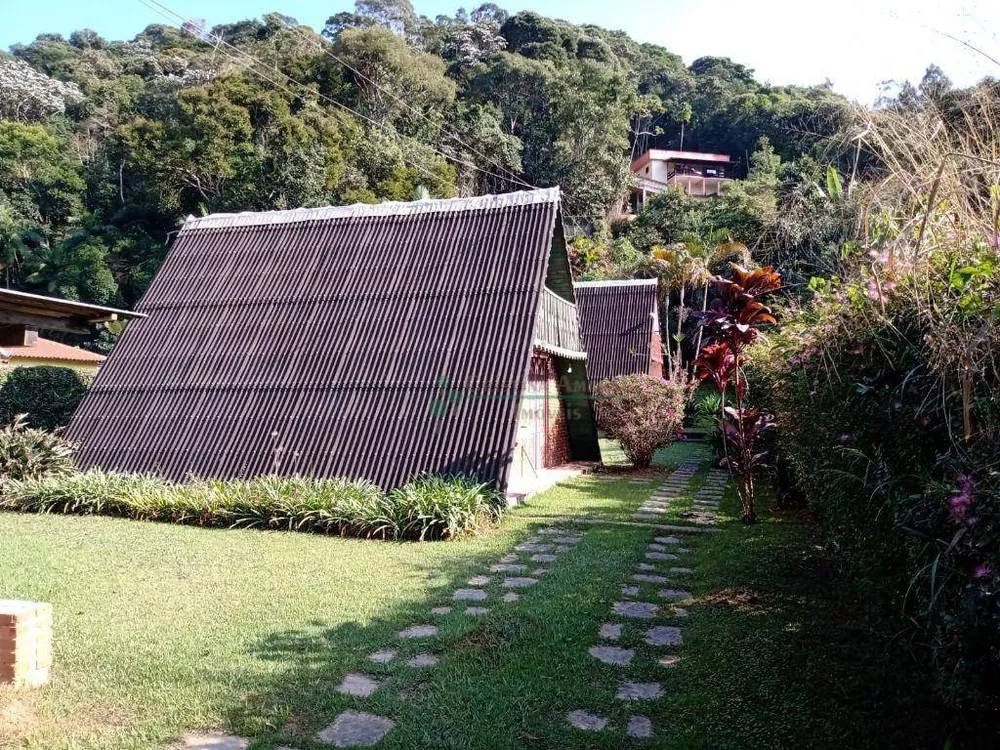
[[47, 349]]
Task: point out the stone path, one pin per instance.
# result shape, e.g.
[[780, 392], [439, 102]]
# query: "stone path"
[[502, 585], [646, 624], [644, 627]]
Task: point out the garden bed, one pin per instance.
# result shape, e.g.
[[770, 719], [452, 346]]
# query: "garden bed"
[[427, 507]]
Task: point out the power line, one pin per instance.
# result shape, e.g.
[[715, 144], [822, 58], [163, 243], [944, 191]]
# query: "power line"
[[322, 45], [167, 13]]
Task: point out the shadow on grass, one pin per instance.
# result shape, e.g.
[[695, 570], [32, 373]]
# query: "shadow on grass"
[[308, 663], [782, 653]]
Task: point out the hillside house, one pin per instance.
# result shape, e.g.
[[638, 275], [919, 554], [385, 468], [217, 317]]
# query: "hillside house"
[[620, 328], [697, 174], [370, 341]]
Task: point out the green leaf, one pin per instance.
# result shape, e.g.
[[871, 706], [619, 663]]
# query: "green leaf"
[[833, 187]]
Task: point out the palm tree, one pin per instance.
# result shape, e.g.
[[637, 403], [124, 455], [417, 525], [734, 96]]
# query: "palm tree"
[[703, 254]]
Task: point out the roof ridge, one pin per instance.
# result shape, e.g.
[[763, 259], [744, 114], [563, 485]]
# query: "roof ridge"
[[616, 282], [359, 210]]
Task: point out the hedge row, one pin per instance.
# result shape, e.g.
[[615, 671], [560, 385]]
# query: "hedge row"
[[429, 507]]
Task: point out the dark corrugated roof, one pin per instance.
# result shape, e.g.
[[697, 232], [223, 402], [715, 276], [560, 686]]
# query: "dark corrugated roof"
[[362, 341], [616, 324]]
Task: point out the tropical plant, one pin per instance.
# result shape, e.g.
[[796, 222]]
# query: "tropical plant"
[[641, 412], [428, 507], [733, 321], [30, 453]]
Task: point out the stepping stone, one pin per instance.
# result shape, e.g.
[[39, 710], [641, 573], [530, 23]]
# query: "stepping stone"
[[213, 741], [660, 556], [553, 531], [586, 722], [621, 657], [630, 591], [652, 510], [539, 571], [510, 596], [479, 580], [441, 611], [667, 540], [562, 548], [519, 583], [476, 611], [639, 727], [664, 635], [669, 660], [418, 631], [384, 656], [423, 660], [358, 685], [509, 558], [679, 612], [508, 568], [639, 691], [646, 566], [640, 610], [356, 729], [683, 550], [611, 631], [682, 571], [644, 578], [675, 594], [532, 547], [469, 595], [542, 557], [644, 517], [656, 548]]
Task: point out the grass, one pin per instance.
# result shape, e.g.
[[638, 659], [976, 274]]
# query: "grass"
[[161, 629]]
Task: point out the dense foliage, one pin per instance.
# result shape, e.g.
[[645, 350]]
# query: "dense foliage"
[[426, 508], [47, 396], [884, 384], [641, 412], [106, 145], [30, 453]]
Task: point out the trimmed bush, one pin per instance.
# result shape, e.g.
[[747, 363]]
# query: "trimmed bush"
[[426, 508], [29, 453], [641, 412], [48, 396]]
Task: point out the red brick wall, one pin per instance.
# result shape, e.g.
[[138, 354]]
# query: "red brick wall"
[[557, 437], [656, 356]]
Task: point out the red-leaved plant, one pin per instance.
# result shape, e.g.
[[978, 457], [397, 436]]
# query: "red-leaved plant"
[[732, 321]]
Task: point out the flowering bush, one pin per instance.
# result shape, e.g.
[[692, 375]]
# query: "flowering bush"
[[641, 412]]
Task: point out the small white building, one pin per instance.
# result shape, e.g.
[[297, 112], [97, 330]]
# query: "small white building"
[[697, 174]]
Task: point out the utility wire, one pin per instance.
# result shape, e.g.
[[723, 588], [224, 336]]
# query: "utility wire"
[[323, 44], [175, 17]]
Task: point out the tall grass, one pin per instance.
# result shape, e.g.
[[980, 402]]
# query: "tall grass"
[[429, 507]]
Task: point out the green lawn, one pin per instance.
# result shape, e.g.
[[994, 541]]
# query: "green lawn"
[[160, 629]]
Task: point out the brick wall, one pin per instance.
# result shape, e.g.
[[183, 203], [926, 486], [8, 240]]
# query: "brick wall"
[[25, 643], [557, 437], [656, 346]]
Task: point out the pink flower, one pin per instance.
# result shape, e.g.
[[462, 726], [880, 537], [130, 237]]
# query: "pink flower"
[[981, 571], [960, 503]]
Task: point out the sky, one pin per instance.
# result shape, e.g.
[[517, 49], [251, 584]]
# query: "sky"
[[856, 44]]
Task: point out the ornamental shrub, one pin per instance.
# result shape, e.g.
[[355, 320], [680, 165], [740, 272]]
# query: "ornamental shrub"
[[30, 453], [429, 507], [46, 395], [641, 412]]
